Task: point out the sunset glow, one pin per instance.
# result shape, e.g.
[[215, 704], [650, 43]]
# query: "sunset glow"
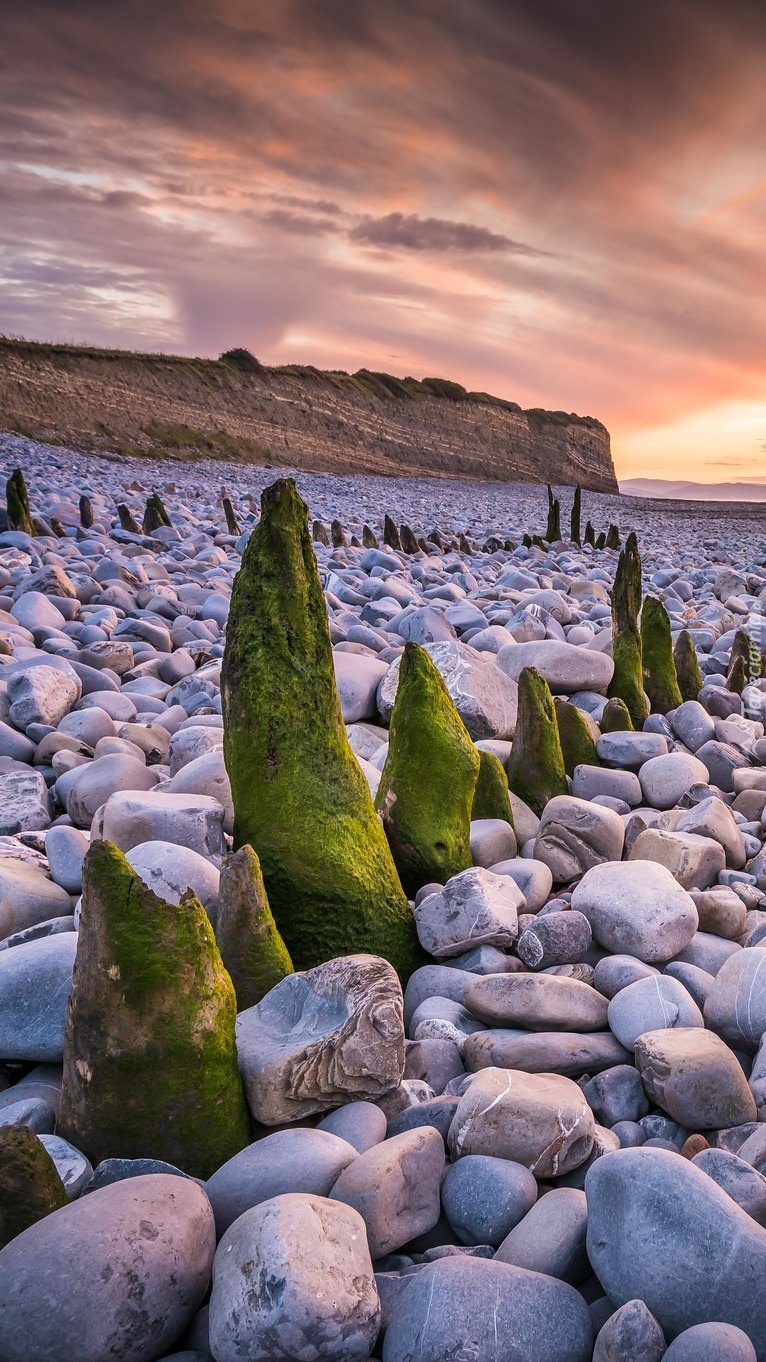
[[561, 204]]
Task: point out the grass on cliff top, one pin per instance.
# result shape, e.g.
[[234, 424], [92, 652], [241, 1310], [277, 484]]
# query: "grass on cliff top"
[[364, 383]]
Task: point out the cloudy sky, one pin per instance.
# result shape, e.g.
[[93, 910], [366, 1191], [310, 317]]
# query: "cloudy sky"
[[560, 202]]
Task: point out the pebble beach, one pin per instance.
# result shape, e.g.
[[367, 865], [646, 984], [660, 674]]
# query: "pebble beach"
[[382, 919]]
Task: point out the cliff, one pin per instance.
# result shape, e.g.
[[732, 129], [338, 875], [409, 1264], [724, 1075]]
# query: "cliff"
[[300, 416]]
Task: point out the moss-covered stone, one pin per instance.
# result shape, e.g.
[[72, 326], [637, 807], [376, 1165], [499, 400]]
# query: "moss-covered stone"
[[574, 519], [628, 680], [251, 948], [616, 717], [536, 769], [576, 736], [526, 540], [57, 527], [391, 534], [688, 672], [155, 515], [369, 539], [232, 524], [612, 538], [150, 1060], [319, 534], [427, 784], [337, 536], [300, 798], [553, 527], [590, 535], [600, 541], [738, 673], [17, 503], [660, 680], [86, 512], [465, 544], [408, 540], [127, 521], [30, 1186], [491, 796]]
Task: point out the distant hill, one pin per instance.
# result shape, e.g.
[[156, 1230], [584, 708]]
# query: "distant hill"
[[694, 491], [325, 420]]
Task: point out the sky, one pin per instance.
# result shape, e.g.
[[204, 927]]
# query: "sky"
[[562, 202]]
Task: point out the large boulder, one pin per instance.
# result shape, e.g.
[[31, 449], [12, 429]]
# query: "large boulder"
[[575, 835], [484, 696], [566, 667], [395, 1188], [35, 979], [119, 1273], [319, 1039], [297, 1160], [476, 908], [695, 1078], [538, 1002], [293, 1278], [150, 1064], [539, 1120], [300, 798], [636, 908], [702, 1260], [736, 1004]]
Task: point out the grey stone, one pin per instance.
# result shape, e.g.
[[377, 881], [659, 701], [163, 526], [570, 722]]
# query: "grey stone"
[[492, 840], [288, 1161], [194, 821], [665, 779], [532, 877], [25, 804], [557, 1052], [631, 1334], [479, 1303], [331, 1035], [738, 1179], [736, 1006], [65, 849], [566, 667], [28, 897], [42, 694], [35, 981], [693, 725], [636, 908], [694, 862], [551, 1237], [170, 871], [485, 697], [484, 1198], [628, 751], [557, 939], [616, 1095], [711, 1343], [475, 908], [615, 972], [395, 1188], [590, 781], [539, 1002], [702, 1228], [91, 785], [293, 1277], [694, 1077], [360, 1124], [651, 1005], [72, 1167], [120, 1272], [575, 834], [357, 678]]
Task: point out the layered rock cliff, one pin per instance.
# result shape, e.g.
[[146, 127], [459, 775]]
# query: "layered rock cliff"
[[290, 415]]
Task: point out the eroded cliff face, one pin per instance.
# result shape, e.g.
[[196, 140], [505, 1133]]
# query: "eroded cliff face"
[[305, 418]]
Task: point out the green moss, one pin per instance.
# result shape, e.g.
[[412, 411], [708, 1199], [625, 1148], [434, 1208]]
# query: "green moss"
[[536, 769], [660, 680], [577, 740], [300, 798], [251, 948], [17, 503], [30, 1186], [574, 519], [628, 680], [490, 798], [391, 534], [688, 672], [155, 514], [616, 717], [427, 784], [738, 673], [150, 1060]]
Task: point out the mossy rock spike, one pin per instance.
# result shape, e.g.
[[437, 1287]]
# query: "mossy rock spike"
[[738, 672], [660, 680], [155, 515], [616, 718], [337, 536], [86, 512], [688, 672], [150, 1058], [300, 798], [127, 521], [391, 534], [408, 540], [628, 679], [590, 535], [251, 948], [232, 524], [491, 797], [553, 527], [427, 784], [536, 770], [612, 537], [369, 540], [577, 740], [574, 519], [465, 544], [319, 534], [17, 503], [600, 541], [30, 1187]]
